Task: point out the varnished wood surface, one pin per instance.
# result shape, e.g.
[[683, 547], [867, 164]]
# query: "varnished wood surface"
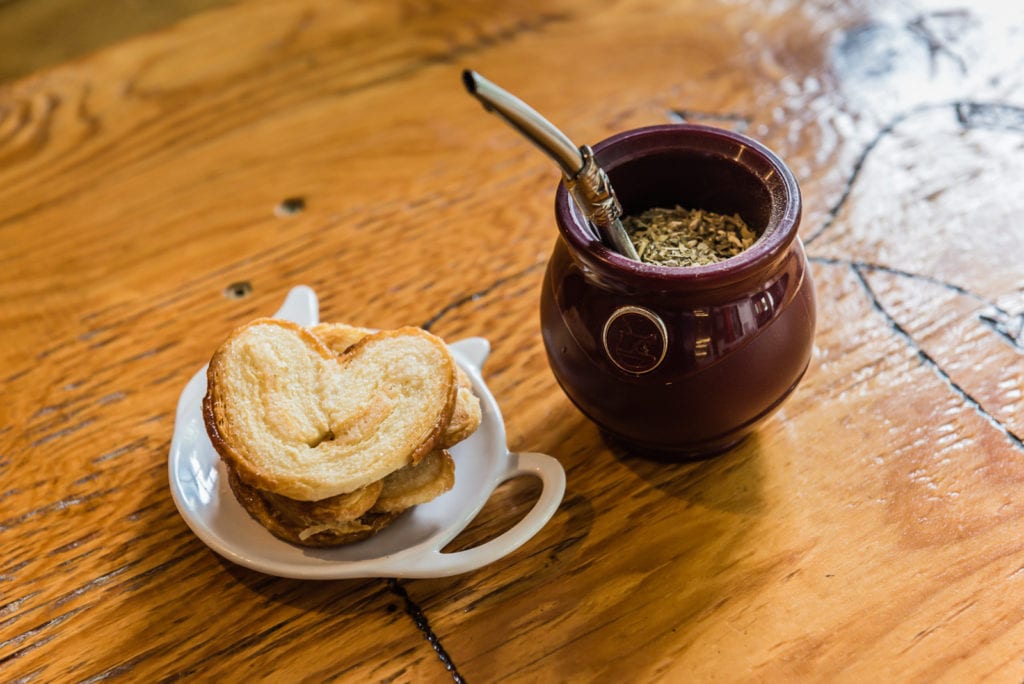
[[41, 33], [872, 530]]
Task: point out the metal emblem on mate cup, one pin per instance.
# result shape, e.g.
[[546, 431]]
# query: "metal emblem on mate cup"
[[635, 339]]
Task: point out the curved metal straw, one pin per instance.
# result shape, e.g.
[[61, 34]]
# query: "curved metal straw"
[[585, 180]]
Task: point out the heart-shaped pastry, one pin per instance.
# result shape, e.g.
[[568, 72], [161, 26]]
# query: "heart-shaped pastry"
[[291, 417]]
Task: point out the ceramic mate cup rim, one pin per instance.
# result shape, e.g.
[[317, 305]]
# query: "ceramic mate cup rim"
[[776, 178]]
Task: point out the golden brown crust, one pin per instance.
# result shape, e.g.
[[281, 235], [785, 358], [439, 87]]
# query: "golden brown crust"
[[334, 509], [338, 337], [343, 464], [467, 415], [416, 484], [256, 505]]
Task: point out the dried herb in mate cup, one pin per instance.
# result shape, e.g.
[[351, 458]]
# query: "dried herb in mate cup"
[[687, 237]]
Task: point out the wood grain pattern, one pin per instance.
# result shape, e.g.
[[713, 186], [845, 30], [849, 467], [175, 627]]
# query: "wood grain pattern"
[[43, 33], [870, 530]]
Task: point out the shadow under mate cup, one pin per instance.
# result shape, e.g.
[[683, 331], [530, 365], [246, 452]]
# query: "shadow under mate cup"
[[682, 362]]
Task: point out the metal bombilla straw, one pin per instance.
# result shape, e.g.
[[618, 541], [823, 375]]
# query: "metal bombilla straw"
[[586, 181]]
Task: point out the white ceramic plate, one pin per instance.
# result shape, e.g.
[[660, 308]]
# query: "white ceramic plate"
[[410, 546]]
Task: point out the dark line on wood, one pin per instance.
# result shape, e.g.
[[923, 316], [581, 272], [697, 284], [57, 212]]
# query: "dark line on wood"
[[930, 361], [85, 478], [151, 352], [14, 604], [868, 266], [48, 424], [62, 433], [46, 410], [999, 323], [993, 321], [75, 561], [934, 43], [970, 114], [53, 622], [461, 301], [120, 451], [123, 667], [159, 380], [93, 583], [16, 375], [857, 166], [89, 334], [421, 622], [53, 350], [112, 398], [998, 115], [60, 505], [72, 545], [14, 655], [9, 572], [137, 513]]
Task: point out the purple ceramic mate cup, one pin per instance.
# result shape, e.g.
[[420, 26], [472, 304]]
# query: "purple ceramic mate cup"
[[682, 362]]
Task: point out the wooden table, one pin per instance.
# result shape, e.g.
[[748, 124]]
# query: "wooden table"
[[873, 529]]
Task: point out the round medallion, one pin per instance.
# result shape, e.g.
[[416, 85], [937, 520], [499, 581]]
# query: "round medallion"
[[635, 339]]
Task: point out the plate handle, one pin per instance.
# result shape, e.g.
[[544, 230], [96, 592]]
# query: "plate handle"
[[434, 563]]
